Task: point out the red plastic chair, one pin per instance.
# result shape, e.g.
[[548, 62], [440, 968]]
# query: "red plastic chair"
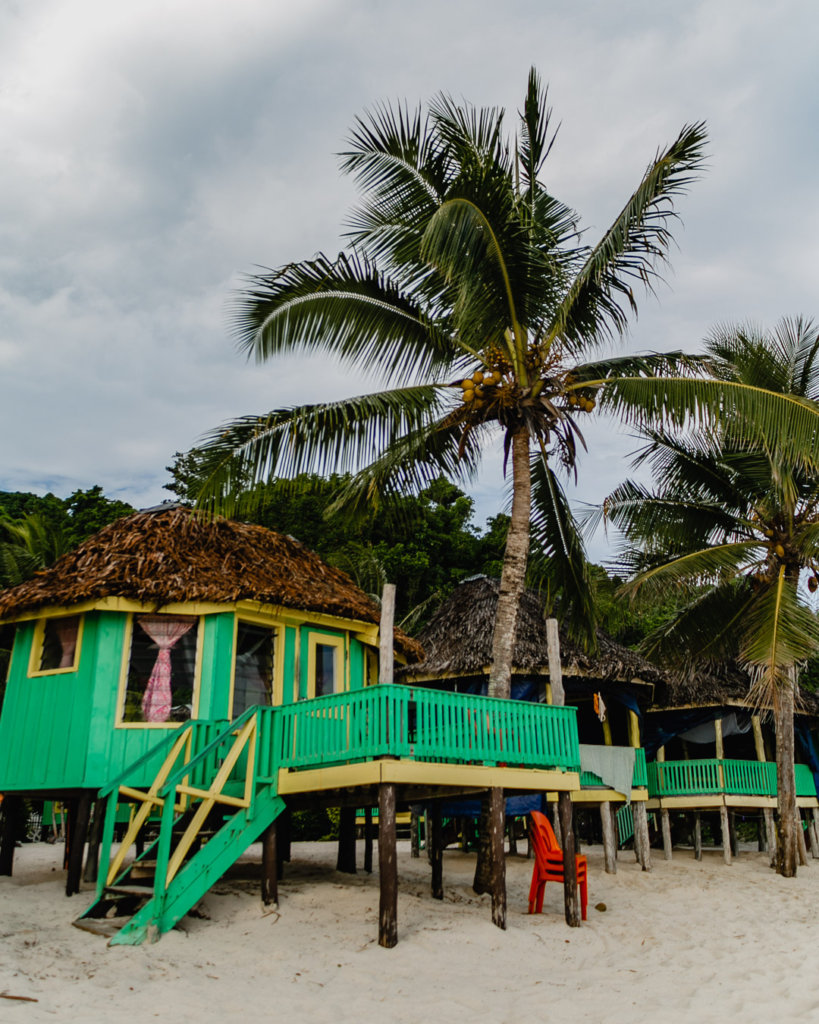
[[549, 865]]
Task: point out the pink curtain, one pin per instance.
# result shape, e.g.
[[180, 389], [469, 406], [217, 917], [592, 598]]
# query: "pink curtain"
[[66, 631], [165, 631]]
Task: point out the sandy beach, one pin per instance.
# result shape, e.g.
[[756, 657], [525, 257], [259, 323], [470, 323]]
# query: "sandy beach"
[[687, 941]]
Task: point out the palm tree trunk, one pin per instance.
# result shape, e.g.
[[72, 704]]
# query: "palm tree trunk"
[[489, 870], [513, 577], [786, 850]]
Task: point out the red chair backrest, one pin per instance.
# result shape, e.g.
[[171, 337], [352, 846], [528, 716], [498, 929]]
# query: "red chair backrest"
[[543, 833]]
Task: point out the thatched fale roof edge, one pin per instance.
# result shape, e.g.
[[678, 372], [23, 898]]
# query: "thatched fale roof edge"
[[174, 555]]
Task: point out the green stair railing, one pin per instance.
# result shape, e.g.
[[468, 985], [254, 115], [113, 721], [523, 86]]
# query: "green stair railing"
[[713, 776], [427, 725]]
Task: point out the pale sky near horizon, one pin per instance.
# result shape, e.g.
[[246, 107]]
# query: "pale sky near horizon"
[[154, 151]]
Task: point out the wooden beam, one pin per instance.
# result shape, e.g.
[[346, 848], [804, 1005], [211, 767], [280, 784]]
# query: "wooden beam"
[[641, 828], [666, 823], [697, 836], [386, 641], [609, 840], [497, 822], [368, 839], [555, 669], [92, 861], [415, 831], [270, 865], [436, 850], [76, 843], [726, 837], [571, 904], [387, 868]]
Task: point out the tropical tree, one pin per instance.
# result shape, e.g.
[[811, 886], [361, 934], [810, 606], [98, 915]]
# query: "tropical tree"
[[735, 521], [467, 287]]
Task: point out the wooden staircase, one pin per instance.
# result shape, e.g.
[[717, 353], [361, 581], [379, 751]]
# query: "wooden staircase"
[[215, 799]]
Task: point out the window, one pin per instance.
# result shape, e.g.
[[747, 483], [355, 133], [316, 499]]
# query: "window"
[[56, 645], [161, 675], [253, 666], [325, 665]]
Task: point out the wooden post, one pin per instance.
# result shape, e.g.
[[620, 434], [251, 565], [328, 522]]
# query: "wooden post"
[[79, 834], [346, 841], [497, 822], [555, 668], [609, 841], [666, 822], [814, 832], [513, 839], [770, 832], [556, 823], [565, 808], [415, 831], [571, 904], [385, 642], [436, 852], [800, 840], [92, 861], [697, 835], [387, 867], [614, 832], [10, 817], [270, 865], [732, 833], [368, 840], [726, 837], [641, 829]]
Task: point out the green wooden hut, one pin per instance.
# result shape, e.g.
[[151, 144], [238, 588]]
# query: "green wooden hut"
[[213, 674]]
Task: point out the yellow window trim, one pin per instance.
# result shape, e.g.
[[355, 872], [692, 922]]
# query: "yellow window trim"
[[256, 619], [123, 677], [341, 661], [36, 653]]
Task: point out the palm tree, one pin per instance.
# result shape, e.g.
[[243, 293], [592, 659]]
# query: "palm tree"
[[467, 287], [28, 544], [736, 522]]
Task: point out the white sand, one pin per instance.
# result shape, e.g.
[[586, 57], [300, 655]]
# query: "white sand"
[[686, 942]]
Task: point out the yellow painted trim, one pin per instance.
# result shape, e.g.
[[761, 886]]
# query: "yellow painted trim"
[[604, 796], [633, 729], [807, 801], [341, 661], [371, 773], [36, 652], [123, 677]]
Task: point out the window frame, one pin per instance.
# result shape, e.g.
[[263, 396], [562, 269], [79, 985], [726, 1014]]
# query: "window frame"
[[277, 627], [38, 639], [128, 635], [341, 660]]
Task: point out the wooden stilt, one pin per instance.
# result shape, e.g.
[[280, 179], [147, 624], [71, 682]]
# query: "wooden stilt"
[[732, 833], [800, 840], [79, 834], [641, 822], [761, 838], [770, 832], [556, 823], [697, 835], [614, 832], [666, 823], [346, 841], [497, 821], [387, 867], [726, 837], [10, 818], [270, 865], [415, 831], [812, 837], [571, 903], [815, 832], [368, 840], [436, 852], [92, 861], [609, 841], [513, 839]]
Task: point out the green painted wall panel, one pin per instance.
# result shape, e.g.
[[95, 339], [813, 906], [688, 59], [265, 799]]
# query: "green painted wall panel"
[[290, 668]]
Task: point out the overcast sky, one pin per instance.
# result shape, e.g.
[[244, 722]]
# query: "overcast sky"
[[154, 150]]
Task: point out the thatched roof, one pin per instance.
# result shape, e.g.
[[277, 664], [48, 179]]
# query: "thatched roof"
[[718, 687], [458, 641], [172, 555]]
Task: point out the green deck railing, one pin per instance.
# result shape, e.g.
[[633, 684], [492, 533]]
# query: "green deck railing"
[[427, 725], [713, 776], [588, 780]]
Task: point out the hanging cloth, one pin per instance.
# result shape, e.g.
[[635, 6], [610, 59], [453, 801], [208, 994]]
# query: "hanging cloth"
[[165, 631], [66, 630]]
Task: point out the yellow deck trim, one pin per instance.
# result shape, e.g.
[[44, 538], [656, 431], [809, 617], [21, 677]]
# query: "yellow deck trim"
[[602, 796], [415, 773]]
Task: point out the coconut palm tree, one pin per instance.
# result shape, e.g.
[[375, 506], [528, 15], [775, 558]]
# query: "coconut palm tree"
[[735, 521], [468, 288]]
